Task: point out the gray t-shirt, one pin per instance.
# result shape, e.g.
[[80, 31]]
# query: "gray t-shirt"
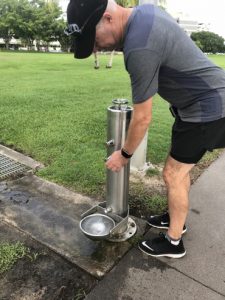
[[161, 58]]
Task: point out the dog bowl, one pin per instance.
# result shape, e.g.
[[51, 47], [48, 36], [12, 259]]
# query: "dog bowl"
[[97, 226]]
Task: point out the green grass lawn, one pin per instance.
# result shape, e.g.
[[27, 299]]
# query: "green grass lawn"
[[10, 253], [53, 108]]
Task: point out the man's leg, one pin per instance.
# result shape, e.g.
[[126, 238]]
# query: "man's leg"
[[177, 179], [176, 176]]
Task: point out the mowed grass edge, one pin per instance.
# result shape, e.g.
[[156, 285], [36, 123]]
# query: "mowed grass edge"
[[53, 108]]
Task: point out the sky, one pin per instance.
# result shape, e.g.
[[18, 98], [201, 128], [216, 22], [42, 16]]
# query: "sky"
[[207, 11], [63, 4]]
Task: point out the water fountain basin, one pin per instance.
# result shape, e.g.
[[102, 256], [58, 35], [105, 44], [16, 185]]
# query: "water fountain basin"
[[97, 226]]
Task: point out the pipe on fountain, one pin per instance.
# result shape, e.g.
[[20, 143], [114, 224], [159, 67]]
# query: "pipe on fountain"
[[117, 183]]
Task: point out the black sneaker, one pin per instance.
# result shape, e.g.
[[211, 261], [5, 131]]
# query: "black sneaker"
[[162, 222], [160, 246]]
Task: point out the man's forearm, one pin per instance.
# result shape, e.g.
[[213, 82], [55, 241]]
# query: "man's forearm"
[[136, 133]]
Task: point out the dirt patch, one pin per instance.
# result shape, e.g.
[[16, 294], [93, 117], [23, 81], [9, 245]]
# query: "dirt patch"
[[147, 196], [41, 275]]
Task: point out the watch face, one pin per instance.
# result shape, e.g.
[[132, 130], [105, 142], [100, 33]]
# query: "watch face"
[[125, 154]]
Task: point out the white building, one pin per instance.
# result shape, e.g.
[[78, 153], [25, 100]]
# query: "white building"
[[189, 25], [13, 44]]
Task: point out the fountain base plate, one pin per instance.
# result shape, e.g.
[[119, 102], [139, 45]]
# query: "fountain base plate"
[[131, 230]]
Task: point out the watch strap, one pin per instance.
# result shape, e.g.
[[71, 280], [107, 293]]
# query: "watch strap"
[[125, 154]]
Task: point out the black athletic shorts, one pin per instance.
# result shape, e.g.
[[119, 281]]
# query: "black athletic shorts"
[[190, 141]]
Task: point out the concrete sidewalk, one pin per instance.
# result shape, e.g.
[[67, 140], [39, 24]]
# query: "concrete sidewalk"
[[200, 274]]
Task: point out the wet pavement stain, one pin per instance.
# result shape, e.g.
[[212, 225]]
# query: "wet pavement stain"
[[55, 223]]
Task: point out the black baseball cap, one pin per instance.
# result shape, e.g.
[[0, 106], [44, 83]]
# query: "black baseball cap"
[[82, 18]]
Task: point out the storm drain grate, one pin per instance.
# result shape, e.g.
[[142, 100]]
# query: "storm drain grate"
[[10, 167]]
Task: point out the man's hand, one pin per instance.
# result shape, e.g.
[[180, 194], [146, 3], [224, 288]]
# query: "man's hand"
[[116, 161]]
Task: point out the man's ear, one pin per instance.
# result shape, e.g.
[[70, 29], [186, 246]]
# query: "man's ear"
[[107, 17]]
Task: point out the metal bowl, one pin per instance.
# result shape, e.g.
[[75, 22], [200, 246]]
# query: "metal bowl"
[[97, 226]]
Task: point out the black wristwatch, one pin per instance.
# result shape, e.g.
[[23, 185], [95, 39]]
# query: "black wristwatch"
[[125, 154]]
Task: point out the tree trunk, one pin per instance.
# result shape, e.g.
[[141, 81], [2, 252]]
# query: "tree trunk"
[[47, 47], [38, 45], [7, 40]]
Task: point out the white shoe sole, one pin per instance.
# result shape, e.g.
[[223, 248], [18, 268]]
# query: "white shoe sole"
[[165, 255], [159, 227]]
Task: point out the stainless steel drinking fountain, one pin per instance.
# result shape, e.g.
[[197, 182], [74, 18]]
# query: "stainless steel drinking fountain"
[[110, 219]]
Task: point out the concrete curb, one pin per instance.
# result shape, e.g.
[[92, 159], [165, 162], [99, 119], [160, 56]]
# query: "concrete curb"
[[19, 157]]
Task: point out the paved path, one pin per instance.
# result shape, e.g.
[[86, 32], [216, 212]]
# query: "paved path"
[[200, 274]]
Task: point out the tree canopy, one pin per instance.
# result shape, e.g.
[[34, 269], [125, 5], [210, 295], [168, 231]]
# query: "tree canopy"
[[31, 20], [7, 19], [209, 42]]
